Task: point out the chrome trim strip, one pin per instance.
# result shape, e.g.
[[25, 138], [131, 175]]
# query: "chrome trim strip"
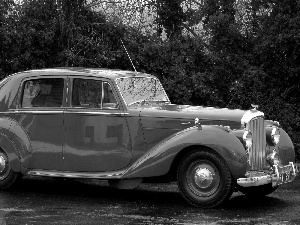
[[205, 121], [89, 175], [66, 111], [96, 113], [39, 111], [9, 112]]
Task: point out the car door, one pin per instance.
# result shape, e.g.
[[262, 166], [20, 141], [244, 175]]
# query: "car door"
[[40, 113], [97, 137]]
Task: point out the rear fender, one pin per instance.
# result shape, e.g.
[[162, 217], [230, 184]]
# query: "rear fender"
[[11, 132], [11, 151], [157, 161]]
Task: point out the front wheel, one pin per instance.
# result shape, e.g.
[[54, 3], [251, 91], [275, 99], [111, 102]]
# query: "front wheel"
[[262, 190], [8, 177], [204, 179]]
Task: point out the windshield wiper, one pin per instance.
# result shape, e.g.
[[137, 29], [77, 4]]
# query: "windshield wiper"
[[141, 102]]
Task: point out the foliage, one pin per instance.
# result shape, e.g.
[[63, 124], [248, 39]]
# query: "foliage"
[[46, 33], [250, 52], [170, 17], [277, 53], [177, 64]]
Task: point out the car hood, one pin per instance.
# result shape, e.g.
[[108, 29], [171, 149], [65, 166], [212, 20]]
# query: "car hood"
[[187, 113]]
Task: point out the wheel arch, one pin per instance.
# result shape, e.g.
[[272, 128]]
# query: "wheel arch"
[[15, 142], [8, 147], [164, 158], [183, 153]]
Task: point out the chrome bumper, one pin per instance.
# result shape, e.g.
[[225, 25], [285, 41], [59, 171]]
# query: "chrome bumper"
[[280, 175]]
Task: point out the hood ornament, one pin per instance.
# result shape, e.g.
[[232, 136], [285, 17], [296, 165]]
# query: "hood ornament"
[[254, 107], [198, 124]]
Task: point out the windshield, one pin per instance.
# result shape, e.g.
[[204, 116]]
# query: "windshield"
[[136, 90]]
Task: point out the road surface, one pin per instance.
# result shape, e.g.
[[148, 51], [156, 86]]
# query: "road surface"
[[48, 201]]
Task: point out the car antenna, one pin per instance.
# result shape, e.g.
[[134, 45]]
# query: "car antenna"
[[128, 56]]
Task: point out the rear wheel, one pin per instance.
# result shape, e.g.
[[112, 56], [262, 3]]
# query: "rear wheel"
[[262, 190], [204, 179], [8, 177]]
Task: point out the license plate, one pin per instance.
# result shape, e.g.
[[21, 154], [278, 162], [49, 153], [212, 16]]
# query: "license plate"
[[284, 174]]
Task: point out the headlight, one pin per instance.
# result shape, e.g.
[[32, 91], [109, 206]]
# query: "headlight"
[[247, 137], [275, 135]]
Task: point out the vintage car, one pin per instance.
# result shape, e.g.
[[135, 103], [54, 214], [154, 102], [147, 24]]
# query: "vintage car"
[[120, 126]]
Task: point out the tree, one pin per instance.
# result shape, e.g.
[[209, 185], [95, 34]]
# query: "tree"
[[6, 7], [277, 52], [46, 33]]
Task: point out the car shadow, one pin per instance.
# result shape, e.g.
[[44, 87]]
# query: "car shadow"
[[242, 202], [93, 190], [98, 192]]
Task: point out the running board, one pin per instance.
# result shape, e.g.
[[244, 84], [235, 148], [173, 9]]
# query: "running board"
[[88, 175]]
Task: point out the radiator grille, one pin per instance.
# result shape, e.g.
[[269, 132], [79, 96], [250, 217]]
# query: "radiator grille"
[[257, 153]]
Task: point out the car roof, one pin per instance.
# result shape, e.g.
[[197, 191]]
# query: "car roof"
[[98, 72]]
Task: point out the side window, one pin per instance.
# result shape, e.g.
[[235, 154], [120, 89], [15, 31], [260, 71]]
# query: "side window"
[[93, 94], [46, 92], [109, 100], [87, 93]]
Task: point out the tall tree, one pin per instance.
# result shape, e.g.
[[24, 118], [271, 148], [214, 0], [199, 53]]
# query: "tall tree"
[[6, 14], [170, 17]]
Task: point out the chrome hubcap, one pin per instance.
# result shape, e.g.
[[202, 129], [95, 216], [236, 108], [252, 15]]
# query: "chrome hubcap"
[[203, 177], [4, 166], [2, 163]]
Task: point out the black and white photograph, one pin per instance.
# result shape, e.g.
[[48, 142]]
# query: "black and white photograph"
[[180, 112]]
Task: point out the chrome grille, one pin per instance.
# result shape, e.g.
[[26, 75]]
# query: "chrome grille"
[[257, 153]]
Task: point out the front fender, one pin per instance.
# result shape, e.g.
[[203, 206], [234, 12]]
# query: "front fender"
[[285, 148], [157, 161]]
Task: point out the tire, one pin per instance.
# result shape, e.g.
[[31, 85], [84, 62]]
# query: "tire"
[[256, 191], [8, 177], [204, 179]]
